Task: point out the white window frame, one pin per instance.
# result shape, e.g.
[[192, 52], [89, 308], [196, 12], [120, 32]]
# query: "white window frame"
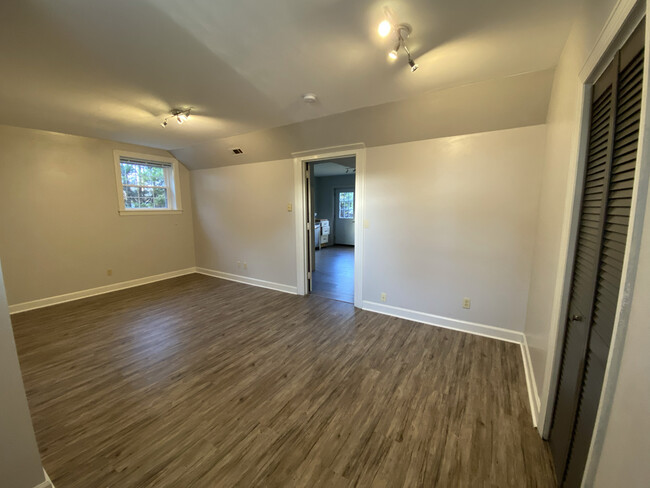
[[174, 192]]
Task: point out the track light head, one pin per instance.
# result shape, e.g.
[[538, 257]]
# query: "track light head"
[[384, 28], [164, 124], [392, 55], [414, 66]]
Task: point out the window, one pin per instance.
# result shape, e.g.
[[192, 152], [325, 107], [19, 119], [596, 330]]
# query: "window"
[[346, 205], [146, 184]]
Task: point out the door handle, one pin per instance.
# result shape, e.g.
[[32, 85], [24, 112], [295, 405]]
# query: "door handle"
[[577, 318]]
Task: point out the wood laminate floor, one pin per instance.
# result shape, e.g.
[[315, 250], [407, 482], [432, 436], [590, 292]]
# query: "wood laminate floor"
[[334, 274], [199, 382]]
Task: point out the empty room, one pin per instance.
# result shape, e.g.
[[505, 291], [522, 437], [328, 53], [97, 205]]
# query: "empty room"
[[319, 243]]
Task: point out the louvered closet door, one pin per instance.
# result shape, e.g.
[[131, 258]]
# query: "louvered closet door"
[[598, 267], [585, 267]]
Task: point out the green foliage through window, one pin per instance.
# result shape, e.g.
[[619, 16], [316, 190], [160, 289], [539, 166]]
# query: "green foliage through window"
[[346, 205], [145, 185]]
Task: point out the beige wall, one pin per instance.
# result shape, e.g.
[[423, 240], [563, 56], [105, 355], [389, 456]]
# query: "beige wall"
[[449, 218], [241, 215], [563, 117], [60, 228], [20, 462]]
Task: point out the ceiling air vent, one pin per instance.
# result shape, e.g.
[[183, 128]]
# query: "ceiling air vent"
[[237, 151]]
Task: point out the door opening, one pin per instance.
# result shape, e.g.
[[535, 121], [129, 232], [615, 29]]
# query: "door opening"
[[330, 222]]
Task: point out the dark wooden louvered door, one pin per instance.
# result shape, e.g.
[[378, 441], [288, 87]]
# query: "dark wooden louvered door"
[[602, 235], [585, 267]]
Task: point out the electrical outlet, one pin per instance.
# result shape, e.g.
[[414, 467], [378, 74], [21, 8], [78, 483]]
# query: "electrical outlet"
[[245, 265], [467, 303], [109, 272], [383, 297]]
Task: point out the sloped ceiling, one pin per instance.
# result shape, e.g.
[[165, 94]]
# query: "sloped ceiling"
[[113, 69]]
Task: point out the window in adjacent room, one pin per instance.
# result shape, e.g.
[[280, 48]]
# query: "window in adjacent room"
[[346, 205], [146, 184]]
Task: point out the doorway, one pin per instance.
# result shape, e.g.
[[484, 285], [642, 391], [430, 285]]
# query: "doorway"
[[331, 193]]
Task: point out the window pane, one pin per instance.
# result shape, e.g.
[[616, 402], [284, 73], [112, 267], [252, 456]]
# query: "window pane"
[[158, 176], [130, 192], [346, 205], [160, 198], [132, 202], [142, 174], [146, 197], [146, 177], [129, 174]]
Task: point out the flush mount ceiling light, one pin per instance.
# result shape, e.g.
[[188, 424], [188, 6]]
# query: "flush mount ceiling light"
[[402, 32], [180, 115]]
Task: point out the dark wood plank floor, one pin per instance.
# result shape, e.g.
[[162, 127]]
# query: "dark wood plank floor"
[[199, 382], [334, 274]]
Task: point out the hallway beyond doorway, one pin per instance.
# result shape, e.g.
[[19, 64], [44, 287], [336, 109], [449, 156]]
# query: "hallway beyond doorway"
[[334, 274]]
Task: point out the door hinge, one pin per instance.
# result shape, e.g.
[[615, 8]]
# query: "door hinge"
[[309, 275], [307, 174]]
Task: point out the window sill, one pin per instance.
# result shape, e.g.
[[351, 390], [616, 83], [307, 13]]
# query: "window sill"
[[150, 212]]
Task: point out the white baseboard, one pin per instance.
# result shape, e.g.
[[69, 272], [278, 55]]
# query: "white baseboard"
[[47, 483], [47, 478], [531, 384], [248, 281], [77, 295], [447, 323]]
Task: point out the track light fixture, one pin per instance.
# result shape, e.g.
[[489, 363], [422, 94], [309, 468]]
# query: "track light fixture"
[[180, 115], [402, 32]]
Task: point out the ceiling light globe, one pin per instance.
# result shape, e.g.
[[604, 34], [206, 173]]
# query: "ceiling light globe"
[[384, 28]]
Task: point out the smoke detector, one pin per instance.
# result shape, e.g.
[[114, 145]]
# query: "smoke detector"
[[309, 98]]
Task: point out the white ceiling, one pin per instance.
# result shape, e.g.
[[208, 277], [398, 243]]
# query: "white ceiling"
[[113, 69]]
